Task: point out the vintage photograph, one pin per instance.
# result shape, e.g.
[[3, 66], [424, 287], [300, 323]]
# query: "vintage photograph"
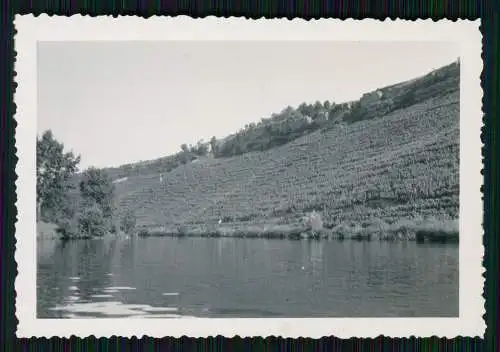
[[248, 179], [184, 179]]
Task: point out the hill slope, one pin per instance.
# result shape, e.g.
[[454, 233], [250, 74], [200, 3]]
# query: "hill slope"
[[388, 165]]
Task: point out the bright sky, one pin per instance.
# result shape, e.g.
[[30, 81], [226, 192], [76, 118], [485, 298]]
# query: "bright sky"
[[120, 102]]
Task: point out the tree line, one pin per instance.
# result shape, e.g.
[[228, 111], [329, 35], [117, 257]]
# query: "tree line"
[[291, 123], [279, 128]]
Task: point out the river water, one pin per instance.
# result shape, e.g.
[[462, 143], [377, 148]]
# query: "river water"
[[228, 277]]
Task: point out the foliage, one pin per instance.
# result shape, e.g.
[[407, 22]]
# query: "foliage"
[[280, 129], [97, 190], [201, 148], [67, 228], [54, 168], [213, 147], [291, 123], [92, 222], [93, 217], [358, 112]]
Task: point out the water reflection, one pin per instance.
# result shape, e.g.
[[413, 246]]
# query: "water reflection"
[[113, 309], [316, 255], [245, 278]]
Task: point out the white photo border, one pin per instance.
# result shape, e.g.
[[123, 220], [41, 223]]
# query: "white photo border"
[[466, 34]]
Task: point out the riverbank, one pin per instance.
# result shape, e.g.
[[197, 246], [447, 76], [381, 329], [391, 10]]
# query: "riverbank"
[[444, 231], [50, 231], [403, 230]]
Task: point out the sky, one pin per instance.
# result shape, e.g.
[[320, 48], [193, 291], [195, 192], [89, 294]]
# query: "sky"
[[120, 102]]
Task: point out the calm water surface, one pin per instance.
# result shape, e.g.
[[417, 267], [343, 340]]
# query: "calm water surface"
[[224, 277]]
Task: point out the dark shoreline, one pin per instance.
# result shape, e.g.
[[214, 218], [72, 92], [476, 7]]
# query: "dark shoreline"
[[419, 230], [419, 236]]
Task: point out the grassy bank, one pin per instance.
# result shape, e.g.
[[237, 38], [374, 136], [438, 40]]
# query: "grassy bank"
[[403, 230], [433, 230], [49, 231]]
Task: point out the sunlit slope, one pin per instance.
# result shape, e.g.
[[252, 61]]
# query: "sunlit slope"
[[401, 165]]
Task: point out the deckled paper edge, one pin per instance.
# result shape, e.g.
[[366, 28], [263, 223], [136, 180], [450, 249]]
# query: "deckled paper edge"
[[84, 28]]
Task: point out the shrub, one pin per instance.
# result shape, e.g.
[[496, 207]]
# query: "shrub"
[[405, 100], [91, 222], [357, 113], [313, 221]]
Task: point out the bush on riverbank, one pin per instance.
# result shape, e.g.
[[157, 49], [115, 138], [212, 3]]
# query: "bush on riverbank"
[[94, 214], [405, 229], [91, 222], [88, 222]]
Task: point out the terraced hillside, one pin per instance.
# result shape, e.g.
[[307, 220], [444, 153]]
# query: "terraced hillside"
[[401, 165]]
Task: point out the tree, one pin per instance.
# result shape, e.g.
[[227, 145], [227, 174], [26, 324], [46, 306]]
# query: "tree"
[[287, 111], [306, 109], [184, 154], [317, 109], [54, 168], [97, 189], [201, 148], [318, 105], [213, 146]]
